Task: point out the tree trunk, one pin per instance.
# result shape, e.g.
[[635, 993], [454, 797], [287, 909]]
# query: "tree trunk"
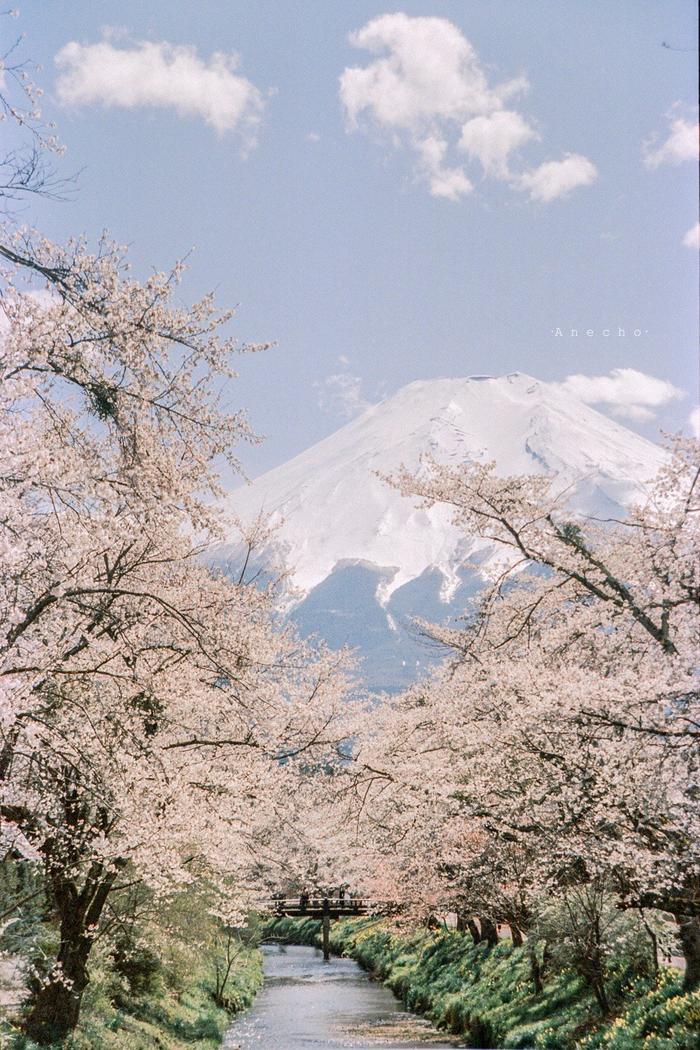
[[326, 930], [598, 986], [56, 1006], [689, 934], [222, 972], [535, 969], [489, 933], [654, 940], [593, 965], [516, 936], [474, 930]]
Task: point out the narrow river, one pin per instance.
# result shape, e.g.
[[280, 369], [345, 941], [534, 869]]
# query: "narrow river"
[[306, 1002]]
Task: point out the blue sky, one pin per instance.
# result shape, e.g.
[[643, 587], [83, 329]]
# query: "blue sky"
[[405, 247]]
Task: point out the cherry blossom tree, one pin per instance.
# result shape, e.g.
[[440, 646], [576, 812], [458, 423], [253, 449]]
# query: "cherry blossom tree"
[[155, 713], [29, 142], [562, 732]]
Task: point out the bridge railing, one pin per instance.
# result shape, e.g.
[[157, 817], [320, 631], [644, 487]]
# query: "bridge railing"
[[280, 905]]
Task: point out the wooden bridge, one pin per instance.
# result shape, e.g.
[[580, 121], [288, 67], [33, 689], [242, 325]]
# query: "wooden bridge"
[[323, 908], [317, 907]]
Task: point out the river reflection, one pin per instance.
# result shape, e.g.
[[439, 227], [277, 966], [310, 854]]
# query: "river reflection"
[[308, 1003]]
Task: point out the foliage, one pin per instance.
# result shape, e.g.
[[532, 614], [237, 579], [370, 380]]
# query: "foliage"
[[138, 964], [659, 1018], [553, 757], [165, 999], [293, 931], [163, 732], [471, 990], [488, 995], [156, 713]]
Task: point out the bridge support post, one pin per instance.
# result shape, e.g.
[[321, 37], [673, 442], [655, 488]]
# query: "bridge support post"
[[326, 928]]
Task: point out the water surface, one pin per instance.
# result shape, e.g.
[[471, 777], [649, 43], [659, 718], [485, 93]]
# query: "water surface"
[[308, 1003]]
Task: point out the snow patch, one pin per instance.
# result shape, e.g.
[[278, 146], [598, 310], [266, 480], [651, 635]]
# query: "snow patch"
[[336, 510]]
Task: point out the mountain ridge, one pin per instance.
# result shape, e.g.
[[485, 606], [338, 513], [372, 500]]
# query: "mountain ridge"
[[355, 451], [364, 560]]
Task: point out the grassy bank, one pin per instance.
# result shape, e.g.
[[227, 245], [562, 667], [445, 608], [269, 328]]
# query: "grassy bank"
[[488, 995], [173, 984], [163, 999]]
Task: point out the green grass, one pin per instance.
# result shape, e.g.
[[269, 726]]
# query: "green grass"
[[488, 996], [177, 1013], [152, 983], [294, 931], [660, 1018]]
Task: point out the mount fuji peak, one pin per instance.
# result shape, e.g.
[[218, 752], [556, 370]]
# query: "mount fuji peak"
[[365, 560]]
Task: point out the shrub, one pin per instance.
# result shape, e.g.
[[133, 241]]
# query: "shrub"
[[138, 964]]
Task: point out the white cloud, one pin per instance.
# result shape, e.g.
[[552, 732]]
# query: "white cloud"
[[443, 180], [427, 90], [341, 395], [625, 391], [692, 237], [694, 422], [557, 178], [431, 71], [681, 144], [163, 75], [491, 139]]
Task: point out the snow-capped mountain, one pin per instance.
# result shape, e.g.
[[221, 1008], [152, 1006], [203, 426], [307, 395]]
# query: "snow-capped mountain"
[[365, 559]]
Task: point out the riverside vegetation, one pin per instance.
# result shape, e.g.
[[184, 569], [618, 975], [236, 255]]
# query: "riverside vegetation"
[[171, 981], [487, 994]]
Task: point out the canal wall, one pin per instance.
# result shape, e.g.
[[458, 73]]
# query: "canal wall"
[[488, 995]]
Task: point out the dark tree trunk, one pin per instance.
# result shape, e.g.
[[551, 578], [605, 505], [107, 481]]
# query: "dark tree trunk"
[[600, 993], [654, 941], [489, 932], [474, 930], [516, 935], [684, 905], [55, 1007], [689, 934], [536, 969], [594, 966]]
